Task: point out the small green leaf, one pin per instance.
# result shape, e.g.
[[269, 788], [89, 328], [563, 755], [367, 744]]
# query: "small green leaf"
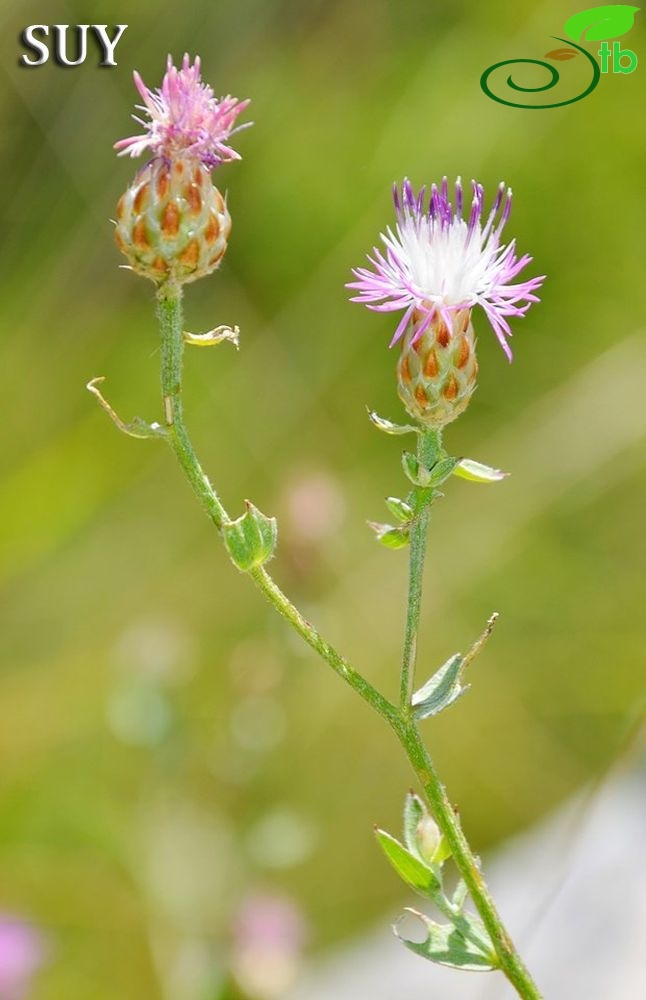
[[418, 824], [598, 23], [418, 474], [441, 690], [250, 539], [411, 869], [399, 509], [446, 945], [388, 427], [414, 811], [442, 470], [390, 536], [466, 468], [445, 687]]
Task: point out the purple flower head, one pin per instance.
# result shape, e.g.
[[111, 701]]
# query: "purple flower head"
[[22, 952], [440, 260], [186, 119]]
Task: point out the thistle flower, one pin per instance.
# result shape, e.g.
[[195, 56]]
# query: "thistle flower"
[[438, 264], [172, 222], [185, 118]]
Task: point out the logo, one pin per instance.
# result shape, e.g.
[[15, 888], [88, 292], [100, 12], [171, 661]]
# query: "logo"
[[69, 48], [598, 24]]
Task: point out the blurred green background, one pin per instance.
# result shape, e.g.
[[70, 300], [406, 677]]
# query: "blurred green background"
[[167, 748]]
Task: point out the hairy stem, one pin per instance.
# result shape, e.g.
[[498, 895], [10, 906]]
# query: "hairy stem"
[[466, 862], [428, 447], [428, 451], [399, 720]]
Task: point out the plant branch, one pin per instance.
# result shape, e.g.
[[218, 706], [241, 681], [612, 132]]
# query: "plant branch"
[[466, 862], [399, 720], [170, 315]]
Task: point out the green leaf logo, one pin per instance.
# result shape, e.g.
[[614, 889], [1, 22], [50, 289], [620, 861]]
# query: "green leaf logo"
[[598, 23]]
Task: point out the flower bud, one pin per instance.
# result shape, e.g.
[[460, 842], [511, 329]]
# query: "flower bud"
[[172, 223], [251, 539], [437, 370], [428, 839]]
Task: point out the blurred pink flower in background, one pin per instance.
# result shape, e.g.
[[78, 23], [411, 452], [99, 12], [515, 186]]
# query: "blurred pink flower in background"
[[22, 952], [269, 934], [315, 507]]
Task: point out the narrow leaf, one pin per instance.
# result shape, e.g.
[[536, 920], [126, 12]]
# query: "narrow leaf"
[[409, 868], [388, 427], [466, 468], [480, 641], [599, 23], [446, 945], [414, 811], [213, 337], [418, 474], [445, 685], [399, 509], [441, 690], [442, 470]]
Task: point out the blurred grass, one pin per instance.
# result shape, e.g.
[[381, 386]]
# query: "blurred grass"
[[105, 752]]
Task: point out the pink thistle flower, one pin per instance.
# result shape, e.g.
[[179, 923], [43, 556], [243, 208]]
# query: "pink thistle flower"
[[438, 262], [186, 119]]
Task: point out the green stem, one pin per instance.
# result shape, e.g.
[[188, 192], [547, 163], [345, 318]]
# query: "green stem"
[[169, 311], [399, 720], [428, 448], [339, 664], [466, 862], [172, 352]]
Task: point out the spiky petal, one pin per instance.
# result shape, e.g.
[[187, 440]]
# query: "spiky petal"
[[186, 119], [439, 261]]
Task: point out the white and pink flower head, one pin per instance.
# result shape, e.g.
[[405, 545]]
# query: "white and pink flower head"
[[186, 119], [440, 260]]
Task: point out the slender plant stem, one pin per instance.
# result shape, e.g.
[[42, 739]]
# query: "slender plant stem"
[[466, 862], [399, 719], [428, 451], [172, 351], [169, 311], [339, 664], [428, 447]]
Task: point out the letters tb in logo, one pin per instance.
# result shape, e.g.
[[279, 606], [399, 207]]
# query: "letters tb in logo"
[[614, 56]]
